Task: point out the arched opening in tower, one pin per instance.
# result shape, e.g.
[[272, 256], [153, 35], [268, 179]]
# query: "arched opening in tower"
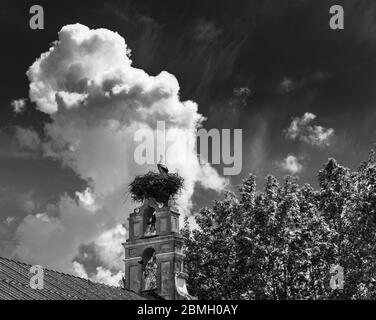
[[149, 269], [149, 222]]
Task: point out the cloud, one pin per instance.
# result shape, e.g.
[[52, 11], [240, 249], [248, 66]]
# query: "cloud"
[[109, 247], [102, 260], [291, 164], [107, 277], [103, 275], [27, 202], [9, 220], [287, 85], [97, 101], [28, 139], [206, 31], [301, 129], [79, 270], [19, 142], [17, 203], [87, 200], [18, 105], [242, 93], [106, 252]]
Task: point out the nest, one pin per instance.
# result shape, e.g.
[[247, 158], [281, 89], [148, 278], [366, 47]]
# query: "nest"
[[155, 185]]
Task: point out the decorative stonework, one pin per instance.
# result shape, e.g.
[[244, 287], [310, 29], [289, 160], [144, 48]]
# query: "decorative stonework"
[[134, 279], [172, 204], [165, 247], [150, 273], [165, 277]]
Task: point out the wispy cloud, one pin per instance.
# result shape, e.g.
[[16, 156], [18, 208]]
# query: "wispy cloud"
[[289, 84], [206, 31]]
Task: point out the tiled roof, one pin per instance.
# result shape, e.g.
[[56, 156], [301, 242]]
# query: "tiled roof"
[[15, 284]]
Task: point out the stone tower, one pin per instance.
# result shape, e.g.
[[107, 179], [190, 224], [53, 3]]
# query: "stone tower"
[[153, 251]]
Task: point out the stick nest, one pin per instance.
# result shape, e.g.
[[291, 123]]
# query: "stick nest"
[[155, 185]]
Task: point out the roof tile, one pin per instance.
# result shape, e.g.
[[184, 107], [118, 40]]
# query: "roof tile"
[[15, 285]]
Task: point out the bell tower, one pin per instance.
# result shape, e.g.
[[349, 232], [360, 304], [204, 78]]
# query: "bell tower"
[[153, 251]]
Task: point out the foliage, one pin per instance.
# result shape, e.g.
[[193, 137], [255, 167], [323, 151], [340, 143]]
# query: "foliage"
[[279, 243], [155, 185]]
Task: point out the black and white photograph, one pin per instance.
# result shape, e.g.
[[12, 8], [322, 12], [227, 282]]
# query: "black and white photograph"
[[188, 153]]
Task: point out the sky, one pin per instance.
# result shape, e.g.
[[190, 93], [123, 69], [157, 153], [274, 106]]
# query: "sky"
[[73, 95]]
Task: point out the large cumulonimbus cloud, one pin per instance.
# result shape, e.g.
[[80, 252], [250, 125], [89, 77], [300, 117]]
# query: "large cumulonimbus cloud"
[[97, 101]]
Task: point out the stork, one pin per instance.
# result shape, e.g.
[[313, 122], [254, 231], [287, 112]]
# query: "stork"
[[162, 168]]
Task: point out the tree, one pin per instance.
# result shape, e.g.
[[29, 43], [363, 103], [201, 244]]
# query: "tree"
[[279, 243], [349, 201]]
